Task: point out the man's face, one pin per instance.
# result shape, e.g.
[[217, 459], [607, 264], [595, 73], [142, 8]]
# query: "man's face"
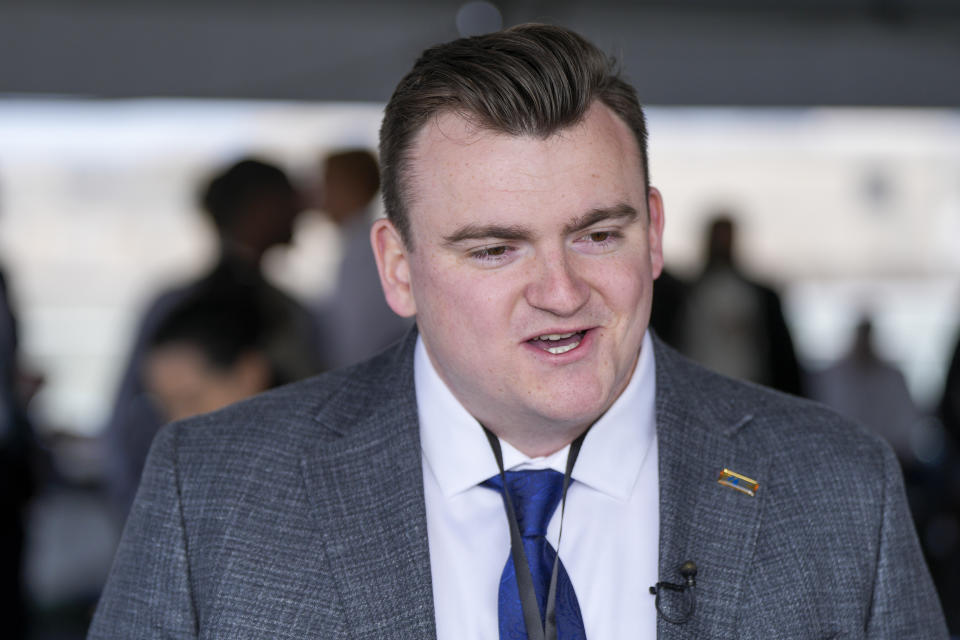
[[531, 272]]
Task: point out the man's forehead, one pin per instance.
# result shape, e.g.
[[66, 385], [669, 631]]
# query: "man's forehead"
[[467, 178], [453, 134], [465, 126], [454, 126]]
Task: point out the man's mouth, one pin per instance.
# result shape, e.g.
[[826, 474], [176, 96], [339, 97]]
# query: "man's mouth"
[[557, 343]]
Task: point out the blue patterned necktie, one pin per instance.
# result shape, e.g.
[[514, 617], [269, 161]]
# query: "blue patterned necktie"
[[535, 496]]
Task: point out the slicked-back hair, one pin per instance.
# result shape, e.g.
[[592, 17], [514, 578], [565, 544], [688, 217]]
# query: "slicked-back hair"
[[530, 80]]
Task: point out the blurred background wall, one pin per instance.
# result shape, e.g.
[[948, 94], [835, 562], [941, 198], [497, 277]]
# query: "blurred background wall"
[[848, 209]]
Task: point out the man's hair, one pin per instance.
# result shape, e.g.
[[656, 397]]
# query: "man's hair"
[[224, 197], [222, 322], [530, 80], [360, 164]]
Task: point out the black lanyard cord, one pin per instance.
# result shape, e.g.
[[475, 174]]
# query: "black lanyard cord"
[[528, 596]]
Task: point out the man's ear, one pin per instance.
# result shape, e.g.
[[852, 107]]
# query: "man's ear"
[[655, 231], [394, 267]]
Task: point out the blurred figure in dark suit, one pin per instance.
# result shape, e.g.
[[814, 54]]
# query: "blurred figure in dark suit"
[[16, 476], [669, 304], [943, 528], [950, 403], [253, 206], [354, 323], [735, 325]]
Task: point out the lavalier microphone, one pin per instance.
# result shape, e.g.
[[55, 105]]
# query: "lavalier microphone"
[[688, 571]]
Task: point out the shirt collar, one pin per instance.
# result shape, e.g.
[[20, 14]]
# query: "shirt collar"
[[457, 452]]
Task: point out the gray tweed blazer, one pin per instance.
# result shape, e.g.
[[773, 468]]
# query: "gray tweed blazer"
[[300, 514]]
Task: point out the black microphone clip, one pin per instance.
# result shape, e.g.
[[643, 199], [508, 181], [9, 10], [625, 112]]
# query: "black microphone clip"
[[688, 571]]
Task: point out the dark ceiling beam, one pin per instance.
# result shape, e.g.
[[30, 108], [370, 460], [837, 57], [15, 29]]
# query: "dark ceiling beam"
[[802, 52]]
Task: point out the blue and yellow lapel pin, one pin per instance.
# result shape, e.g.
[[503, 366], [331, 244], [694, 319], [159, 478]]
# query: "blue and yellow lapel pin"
[[739, 482]]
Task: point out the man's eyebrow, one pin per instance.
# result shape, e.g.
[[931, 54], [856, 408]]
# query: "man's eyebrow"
[[491, 231], [519, 232], [620, 211]]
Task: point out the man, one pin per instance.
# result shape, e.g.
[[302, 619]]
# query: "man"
[[370, 502], [354, 323]]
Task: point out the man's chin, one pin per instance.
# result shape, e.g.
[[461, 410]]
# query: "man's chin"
[[570, 415]]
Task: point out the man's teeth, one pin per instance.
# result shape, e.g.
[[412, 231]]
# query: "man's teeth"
[[558, 350], [557, 336], [554, 337]]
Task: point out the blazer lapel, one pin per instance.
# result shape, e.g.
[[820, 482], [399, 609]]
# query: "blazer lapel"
[[367, 492], [700, 520]]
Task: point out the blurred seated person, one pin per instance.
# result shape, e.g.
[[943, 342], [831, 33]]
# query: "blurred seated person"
[[733, 324], [208, 353], [252, 206], [354, 322]]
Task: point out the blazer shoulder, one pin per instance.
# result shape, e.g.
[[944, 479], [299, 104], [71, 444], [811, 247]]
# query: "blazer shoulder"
[[767, 421]]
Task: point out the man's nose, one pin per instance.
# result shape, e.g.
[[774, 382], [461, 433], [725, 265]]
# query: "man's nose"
[[556, 285]]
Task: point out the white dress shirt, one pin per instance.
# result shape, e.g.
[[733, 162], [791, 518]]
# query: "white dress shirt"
[[610, 528]]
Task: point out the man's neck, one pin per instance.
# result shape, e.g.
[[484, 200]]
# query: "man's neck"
[[540, 442]]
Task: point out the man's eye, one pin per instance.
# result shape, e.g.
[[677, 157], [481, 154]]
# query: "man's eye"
[[604, 237], [600, 240], [491, 254]]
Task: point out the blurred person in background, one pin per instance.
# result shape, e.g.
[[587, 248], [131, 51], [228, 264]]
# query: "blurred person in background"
[[354, 322], [733, 324], [872, 391], [669, 304], [949, 409], [210, 352], [863, 386], [943, 526], [252, 205], [16, 475]]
